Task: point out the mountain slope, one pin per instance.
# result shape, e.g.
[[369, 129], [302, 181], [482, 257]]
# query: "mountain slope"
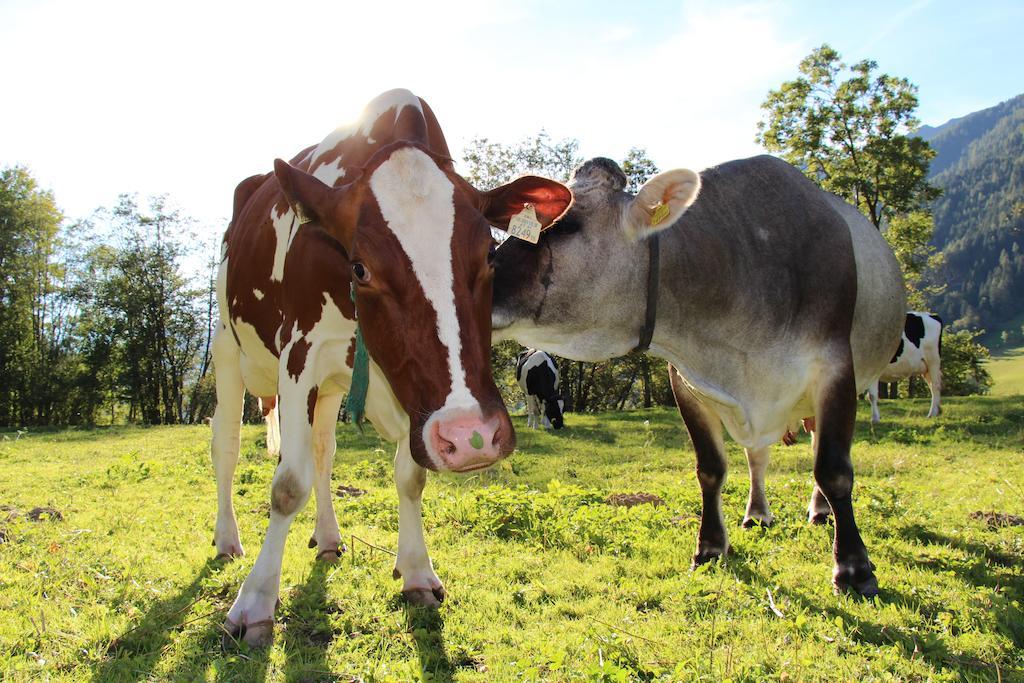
[[979, 220]]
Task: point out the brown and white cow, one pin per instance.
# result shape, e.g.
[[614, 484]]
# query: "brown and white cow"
[[375, 212]]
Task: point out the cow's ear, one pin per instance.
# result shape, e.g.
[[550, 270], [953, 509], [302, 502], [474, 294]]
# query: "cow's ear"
[[336, 209], [550, 200], [661, 201]]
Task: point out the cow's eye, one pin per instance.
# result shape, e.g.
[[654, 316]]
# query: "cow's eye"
[[360, 272]]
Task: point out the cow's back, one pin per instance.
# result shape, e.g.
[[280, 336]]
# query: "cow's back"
[[766, 279]]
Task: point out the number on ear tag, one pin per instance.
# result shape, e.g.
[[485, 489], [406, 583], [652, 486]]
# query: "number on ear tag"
[[660, 213], [525, 225]]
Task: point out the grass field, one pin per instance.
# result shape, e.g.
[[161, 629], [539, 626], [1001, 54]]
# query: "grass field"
[[1007, 370], [546, 581]]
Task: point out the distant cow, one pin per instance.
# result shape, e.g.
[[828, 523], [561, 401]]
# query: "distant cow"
[[538, 378], [372, 225], [919, 353]]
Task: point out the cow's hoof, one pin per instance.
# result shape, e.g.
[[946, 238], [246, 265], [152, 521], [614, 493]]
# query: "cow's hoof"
[[331, 555], [856, 578], [751, 522], [258, 634], [227, 551], [705, 556], [818, 518], [424, 597]]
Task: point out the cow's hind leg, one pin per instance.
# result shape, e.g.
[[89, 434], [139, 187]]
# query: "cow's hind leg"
[[933, 376], [420, 584], [876, 417], [706, 434], [226, 441], [268, 406], [532, 411], [818, 508], [836, 405], [326, 535], [758, 510], [251, 617]]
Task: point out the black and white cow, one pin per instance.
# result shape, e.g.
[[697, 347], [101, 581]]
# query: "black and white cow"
[[919, 353], [774, 300], [537, 376]]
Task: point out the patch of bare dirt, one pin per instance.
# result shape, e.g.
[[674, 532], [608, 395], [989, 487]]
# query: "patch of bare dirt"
[[628, 500], [40, 513], [994, 520], [349, 492]]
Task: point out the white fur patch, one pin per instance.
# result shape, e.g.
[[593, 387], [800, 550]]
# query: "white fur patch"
[[329, 174], [258, 294], [283, 224], [397, 99], [417, 201]]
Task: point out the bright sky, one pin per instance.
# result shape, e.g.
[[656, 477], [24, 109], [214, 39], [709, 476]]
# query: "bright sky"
[[189, 97]]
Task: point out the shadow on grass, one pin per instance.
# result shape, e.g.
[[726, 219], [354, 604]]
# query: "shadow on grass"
[[931, 647], [427, 629], [136, 653], [307, 629]]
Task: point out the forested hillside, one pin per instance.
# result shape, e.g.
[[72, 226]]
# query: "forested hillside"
[[979, 219]]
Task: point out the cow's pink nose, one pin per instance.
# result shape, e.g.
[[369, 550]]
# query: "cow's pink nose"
[[467, 442]]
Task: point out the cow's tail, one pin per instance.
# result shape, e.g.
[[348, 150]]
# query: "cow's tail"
[[942, 328]]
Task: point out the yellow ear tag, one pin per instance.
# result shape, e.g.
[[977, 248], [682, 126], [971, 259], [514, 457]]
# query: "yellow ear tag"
[[525, 225], [660, 213]]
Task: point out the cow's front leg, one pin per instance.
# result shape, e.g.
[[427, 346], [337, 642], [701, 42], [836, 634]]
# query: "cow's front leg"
[[706, 434], [420, 584], [326, 535], [833, 472], [251, 617], [758, 510]]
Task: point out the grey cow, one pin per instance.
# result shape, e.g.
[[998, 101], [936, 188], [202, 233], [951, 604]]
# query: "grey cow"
[[775, 300]]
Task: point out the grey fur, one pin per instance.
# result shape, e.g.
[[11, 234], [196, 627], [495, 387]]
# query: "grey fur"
[[765, 280]]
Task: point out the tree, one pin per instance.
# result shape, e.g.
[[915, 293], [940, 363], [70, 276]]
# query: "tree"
[[909, 235], [853, 137], [141, 318], [34, 314], [963, 364]]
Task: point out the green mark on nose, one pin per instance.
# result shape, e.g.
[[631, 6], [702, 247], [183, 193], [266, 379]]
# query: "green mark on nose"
[[477, 441]]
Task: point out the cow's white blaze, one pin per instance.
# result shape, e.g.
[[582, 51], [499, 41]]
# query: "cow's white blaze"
[[417, 201]]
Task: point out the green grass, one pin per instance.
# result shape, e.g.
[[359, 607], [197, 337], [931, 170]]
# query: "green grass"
[[1007, 370], [545, 581]]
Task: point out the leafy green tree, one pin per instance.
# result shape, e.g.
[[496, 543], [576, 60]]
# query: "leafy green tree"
[[854, 137], [34, 313], [142, 319], [963, 364], [910, 234], [852, 132]]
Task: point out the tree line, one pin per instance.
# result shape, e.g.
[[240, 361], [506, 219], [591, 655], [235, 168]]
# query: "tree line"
[[99, 322]]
